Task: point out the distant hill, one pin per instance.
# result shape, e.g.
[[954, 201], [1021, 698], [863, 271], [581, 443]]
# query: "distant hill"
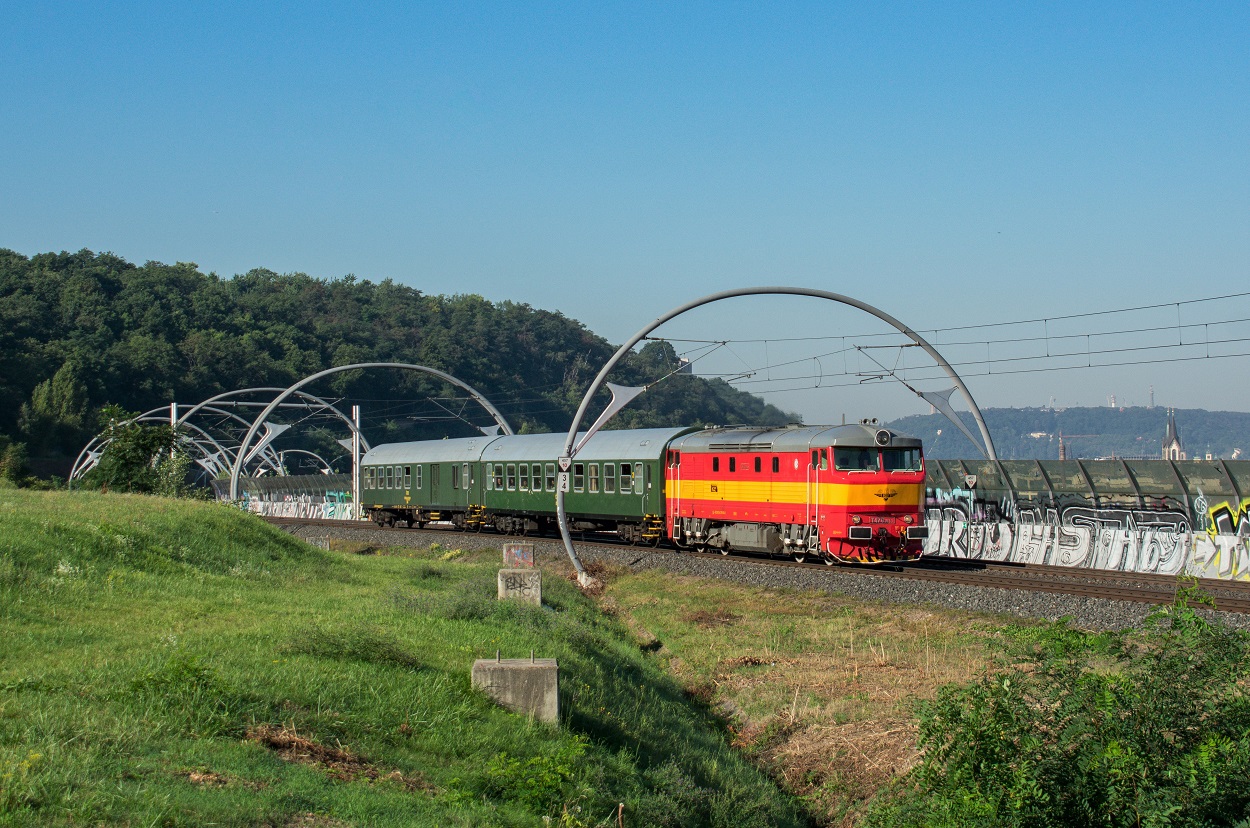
[[1033, 433], [79, 330]]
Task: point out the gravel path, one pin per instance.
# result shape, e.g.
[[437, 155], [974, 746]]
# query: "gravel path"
[[1087, 613]]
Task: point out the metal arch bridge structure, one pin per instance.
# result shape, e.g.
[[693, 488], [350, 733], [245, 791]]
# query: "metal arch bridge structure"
[[621, 396], [214, 446], [216, 450], [244, 454]]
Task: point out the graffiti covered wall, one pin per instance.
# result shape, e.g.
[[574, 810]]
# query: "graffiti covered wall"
[[1175, 530], [310, 496]]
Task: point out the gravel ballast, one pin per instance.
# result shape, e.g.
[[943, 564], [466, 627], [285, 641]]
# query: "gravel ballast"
[[1086, 612]]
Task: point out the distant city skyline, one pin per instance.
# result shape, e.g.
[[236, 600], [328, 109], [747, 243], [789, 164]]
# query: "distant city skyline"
[[953, 165]]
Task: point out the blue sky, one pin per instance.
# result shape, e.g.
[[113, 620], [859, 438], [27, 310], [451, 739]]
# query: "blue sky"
[[953, 164]]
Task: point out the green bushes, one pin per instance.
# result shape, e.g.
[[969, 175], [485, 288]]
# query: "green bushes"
[[1144, 728]]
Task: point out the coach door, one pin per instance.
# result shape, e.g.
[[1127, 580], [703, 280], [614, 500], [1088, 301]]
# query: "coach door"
[[436, 488]]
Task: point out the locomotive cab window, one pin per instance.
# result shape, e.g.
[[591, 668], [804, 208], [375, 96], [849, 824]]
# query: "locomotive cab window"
[[855, 459], [824, 459], [894, 459], [609, 478]]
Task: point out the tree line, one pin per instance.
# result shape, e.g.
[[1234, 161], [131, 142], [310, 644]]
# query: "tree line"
[[82, 331]]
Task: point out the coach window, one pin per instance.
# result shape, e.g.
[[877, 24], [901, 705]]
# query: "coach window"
[[551, 477], [368, 481], [627, 478], [455, 477], [536, 477], [647, 473], [776, 464], [579, 477], [496, 476], [525, 477], [419, 476], [594, 477], [407, 477], [638, 478], [609, 478], [512, 477], [466, 478], [715, 464], [390, 477]]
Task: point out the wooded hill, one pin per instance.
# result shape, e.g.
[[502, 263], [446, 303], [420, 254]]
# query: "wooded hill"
[[81, 330], [1033, 433]]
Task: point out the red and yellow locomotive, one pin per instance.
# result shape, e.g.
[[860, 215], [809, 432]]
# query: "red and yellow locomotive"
[[851, 493]]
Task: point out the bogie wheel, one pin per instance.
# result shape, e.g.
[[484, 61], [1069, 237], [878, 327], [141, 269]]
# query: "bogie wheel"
[[724, 550], [800, 558]]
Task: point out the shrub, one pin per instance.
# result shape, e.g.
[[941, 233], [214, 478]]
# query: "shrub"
[[1149, 727]]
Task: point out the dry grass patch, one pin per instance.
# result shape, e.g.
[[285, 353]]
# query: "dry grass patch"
[[819, 689], [337, 762]]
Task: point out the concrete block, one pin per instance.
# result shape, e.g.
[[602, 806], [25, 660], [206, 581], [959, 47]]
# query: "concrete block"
[[517, 555], [530, 686], [522, 585]]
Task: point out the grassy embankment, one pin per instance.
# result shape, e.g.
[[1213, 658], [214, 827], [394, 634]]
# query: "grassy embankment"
[[173, 663]]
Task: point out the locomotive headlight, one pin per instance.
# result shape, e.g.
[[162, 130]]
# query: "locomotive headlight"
[[908, 519], [856, 519]]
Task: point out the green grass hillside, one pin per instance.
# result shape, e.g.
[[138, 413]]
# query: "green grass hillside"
[[173, 663]]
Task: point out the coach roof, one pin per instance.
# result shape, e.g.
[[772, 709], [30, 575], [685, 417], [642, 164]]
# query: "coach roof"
[[460, 450], [627, 444]]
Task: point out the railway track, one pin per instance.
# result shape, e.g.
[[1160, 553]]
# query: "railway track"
[[1229, 596]]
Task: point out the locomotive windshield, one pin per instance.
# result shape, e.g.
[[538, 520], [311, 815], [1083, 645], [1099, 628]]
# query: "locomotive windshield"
[[894, 459], [855, 459]]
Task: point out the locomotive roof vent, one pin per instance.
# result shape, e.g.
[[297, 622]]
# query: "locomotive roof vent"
[[883, 437]]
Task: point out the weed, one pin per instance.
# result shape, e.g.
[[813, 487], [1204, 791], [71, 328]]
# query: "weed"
[[539, 782], [361, 643]]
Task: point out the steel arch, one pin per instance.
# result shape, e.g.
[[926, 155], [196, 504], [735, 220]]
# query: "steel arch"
[[264, 415], [571, 439]]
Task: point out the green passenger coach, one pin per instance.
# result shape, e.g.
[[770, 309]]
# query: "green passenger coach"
[[509, 483]]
